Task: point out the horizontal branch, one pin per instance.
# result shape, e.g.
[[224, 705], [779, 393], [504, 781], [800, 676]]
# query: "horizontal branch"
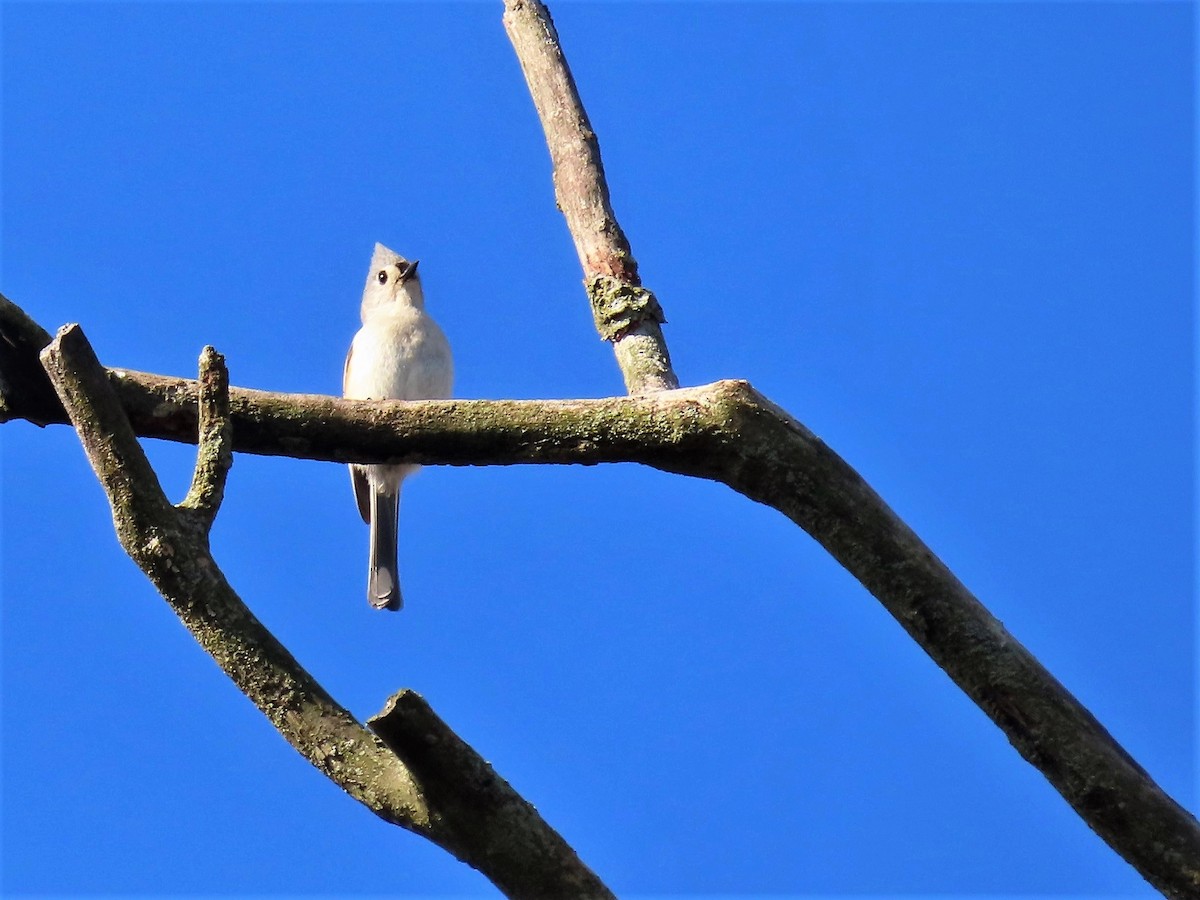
[[446, 432]]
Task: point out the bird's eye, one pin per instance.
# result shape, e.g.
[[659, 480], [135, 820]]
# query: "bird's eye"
[[382, 276]]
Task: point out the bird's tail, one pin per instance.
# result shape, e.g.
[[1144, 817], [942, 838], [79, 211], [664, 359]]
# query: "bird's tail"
[[383, 580]]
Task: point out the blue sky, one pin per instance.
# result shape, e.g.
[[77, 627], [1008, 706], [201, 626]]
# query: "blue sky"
[[954, 239]]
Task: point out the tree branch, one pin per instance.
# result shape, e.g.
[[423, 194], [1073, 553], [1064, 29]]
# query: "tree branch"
[[214, 452], [24, 387], [728, 432], [625, 312], [464, 787], [517, 850]]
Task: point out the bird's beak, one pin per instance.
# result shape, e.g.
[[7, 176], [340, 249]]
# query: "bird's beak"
[[409, 270]]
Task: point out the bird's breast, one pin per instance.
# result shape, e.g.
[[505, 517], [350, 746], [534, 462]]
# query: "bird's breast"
[[399, 357]]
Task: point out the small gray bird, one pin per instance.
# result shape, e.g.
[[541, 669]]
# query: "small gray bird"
[[398, 354]]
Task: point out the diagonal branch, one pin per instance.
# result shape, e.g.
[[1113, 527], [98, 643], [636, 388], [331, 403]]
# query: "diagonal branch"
[[24, 387], [457, 781], [516, 849], [625, 312]]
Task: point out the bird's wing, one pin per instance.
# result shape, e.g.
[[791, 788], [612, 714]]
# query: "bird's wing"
[[358, 475], [362, 491]]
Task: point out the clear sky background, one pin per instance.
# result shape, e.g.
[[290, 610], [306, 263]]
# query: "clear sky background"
[[954, 239]]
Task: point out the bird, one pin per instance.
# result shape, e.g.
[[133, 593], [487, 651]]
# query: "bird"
[[400, 353]]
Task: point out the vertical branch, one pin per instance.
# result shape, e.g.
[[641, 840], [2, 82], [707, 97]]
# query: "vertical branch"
[[626, 313], [214, 446]]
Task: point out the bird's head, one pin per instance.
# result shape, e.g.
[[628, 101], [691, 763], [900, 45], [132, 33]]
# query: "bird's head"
[[392, 279]]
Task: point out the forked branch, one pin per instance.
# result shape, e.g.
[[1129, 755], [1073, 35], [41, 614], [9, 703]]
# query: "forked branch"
[[513, 846]]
